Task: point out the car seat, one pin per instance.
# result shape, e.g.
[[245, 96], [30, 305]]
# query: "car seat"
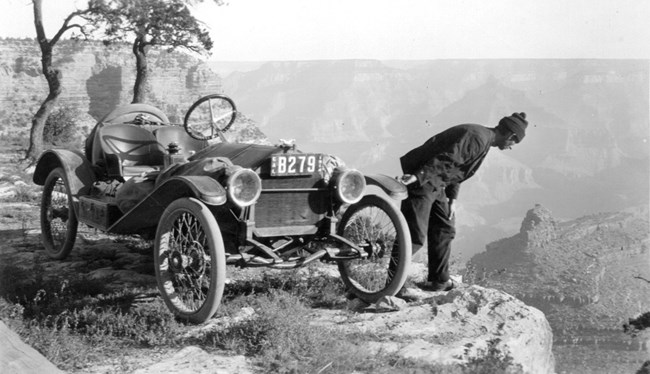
[[123, 114], [127, 144], [127, 150], [175, 134]]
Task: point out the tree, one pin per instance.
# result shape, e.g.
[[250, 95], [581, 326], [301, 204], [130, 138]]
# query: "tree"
[[52, 74], [165, 23]]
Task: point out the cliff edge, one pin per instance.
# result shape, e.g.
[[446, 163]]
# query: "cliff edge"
[[464, 325]]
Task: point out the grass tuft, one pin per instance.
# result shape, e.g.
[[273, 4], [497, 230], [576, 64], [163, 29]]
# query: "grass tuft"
[[75, 321], [281, 339], [71, 320]]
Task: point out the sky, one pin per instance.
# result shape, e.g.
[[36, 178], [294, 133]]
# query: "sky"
[[279, 30]]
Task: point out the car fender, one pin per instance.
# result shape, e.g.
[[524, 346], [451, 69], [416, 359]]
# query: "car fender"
[[379, 184], [78, 170], [147, 212]]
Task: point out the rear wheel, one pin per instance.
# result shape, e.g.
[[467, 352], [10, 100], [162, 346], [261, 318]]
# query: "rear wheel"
[[58, 219], [380, 229], [190, 260]]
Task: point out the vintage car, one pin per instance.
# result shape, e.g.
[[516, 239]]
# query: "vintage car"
[[209, 203]]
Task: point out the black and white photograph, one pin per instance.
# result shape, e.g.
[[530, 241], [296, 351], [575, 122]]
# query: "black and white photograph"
[[341, 186]]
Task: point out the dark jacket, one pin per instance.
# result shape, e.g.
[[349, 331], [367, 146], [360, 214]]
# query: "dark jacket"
[[449, 158]]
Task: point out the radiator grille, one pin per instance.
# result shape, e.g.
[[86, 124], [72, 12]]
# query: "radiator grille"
[[286, 202]]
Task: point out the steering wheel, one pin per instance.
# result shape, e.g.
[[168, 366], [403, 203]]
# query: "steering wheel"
[[210, 116]]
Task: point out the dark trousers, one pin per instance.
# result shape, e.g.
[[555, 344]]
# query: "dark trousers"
[[427, 215]]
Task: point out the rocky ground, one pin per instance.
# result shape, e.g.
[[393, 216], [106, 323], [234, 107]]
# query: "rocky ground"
[[438, 329], [442, 327]]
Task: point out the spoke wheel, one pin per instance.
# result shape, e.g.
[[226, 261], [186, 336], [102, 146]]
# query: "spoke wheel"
[[190, 260], [380, 229], [58, 219]]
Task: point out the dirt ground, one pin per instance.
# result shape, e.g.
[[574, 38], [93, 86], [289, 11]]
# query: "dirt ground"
[[122, 262]]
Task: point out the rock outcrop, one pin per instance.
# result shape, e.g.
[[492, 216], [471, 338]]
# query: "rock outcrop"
[[16, 357], [539, 227], [591, 272], [454, 327]]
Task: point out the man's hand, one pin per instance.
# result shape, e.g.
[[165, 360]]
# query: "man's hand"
[[452, 209], [407, 179]]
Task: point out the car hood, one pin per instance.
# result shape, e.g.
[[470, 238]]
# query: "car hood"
[[244, 155]]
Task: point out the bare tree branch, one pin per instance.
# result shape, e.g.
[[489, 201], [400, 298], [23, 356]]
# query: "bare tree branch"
[[65, 27]]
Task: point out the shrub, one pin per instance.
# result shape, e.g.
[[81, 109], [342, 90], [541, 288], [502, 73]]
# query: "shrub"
[[26, 194], [637, 324], [492, 361], [280, 338], [150, 324], [314, 288], [42, 298], [61, 127]]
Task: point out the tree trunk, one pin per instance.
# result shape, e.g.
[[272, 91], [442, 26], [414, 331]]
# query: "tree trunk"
[[141, 71], [38, 125], [53, 77]]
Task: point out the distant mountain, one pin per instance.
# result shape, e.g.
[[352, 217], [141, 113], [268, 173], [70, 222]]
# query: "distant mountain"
[[586, 150], [577, 107], [587, 145]]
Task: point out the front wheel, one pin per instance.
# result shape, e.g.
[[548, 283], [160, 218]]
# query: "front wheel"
[[380, 229], [190, 260], [58, 220]]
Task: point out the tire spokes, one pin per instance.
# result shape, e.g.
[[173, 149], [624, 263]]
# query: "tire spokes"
[[371, 228], [188, 262], [57, 213]]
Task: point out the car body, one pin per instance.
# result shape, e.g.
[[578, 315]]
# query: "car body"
[[208, 205]]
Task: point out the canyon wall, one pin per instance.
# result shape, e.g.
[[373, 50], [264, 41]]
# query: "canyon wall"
[[96, 78], [586, 149]]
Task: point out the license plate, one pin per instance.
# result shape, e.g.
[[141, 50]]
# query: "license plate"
[[295, 164]]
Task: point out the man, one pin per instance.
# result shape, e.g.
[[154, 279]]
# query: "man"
[[433, 173]]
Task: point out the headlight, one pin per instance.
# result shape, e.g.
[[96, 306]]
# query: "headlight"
[[349, 185], [244, 187]]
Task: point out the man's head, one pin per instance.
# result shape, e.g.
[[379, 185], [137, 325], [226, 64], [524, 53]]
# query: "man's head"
[[511, 130]]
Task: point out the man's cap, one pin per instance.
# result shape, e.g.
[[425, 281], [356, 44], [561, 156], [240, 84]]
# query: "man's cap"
[[516, 123]]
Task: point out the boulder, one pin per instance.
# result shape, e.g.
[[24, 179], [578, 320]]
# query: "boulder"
[[16, 357], [456, 326]]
